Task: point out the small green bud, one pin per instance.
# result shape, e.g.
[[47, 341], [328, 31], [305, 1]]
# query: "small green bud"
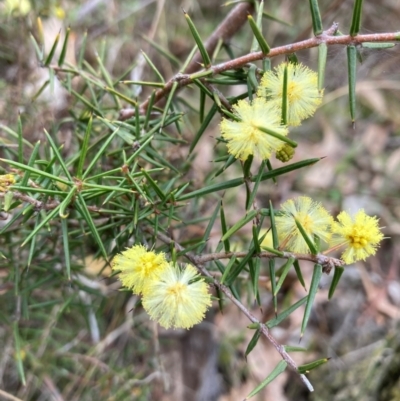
[[285, 153], [254, 326]]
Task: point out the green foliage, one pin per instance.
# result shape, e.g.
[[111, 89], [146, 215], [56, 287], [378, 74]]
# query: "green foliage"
[[129, 176]]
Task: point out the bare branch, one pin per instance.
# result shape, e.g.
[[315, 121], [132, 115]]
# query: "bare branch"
[[320, 258], [39, 205]]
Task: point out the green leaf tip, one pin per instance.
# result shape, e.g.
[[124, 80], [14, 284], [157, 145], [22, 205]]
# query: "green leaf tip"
[[253, 342], [52, 51], [336, 278], [64, 48], [312, 365], [265, 48], [199, 42]]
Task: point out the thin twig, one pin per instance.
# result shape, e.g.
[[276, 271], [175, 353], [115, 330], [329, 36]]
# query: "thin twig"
[[320, 258], [327, 37], [39, 205]]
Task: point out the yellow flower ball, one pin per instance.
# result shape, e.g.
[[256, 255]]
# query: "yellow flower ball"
[[178, 299], [311, 215], [137, 266], [244, 136], [359, 234], [302, 91]]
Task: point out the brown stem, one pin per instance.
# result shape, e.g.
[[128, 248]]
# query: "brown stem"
[[320, 258], [39, 205], [327, 37]]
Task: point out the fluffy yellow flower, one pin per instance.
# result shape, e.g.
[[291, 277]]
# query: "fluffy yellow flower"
[[314, 218], [302, 91], [179, 299], [137, 266], [244, 138], [360, 234]]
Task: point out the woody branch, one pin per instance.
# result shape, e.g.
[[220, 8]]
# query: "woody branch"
[[327, 37]]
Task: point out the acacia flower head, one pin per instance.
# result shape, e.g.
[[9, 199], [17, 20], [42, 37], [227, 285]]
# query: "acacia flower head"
[[360, 235], [178, 299], [6, 180], [245, 138], [137, 265], [302, 91], [311, 215]]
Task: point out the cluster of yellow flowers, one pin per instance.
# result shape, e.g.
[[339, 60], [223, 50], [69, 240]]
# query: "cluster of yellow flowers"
[[175, 297], [257, 129], [360, 234], [179, 297], [244, 136]]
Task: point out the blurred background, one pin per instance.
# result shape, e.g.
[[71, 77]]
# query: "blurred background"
[[101, 346]]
